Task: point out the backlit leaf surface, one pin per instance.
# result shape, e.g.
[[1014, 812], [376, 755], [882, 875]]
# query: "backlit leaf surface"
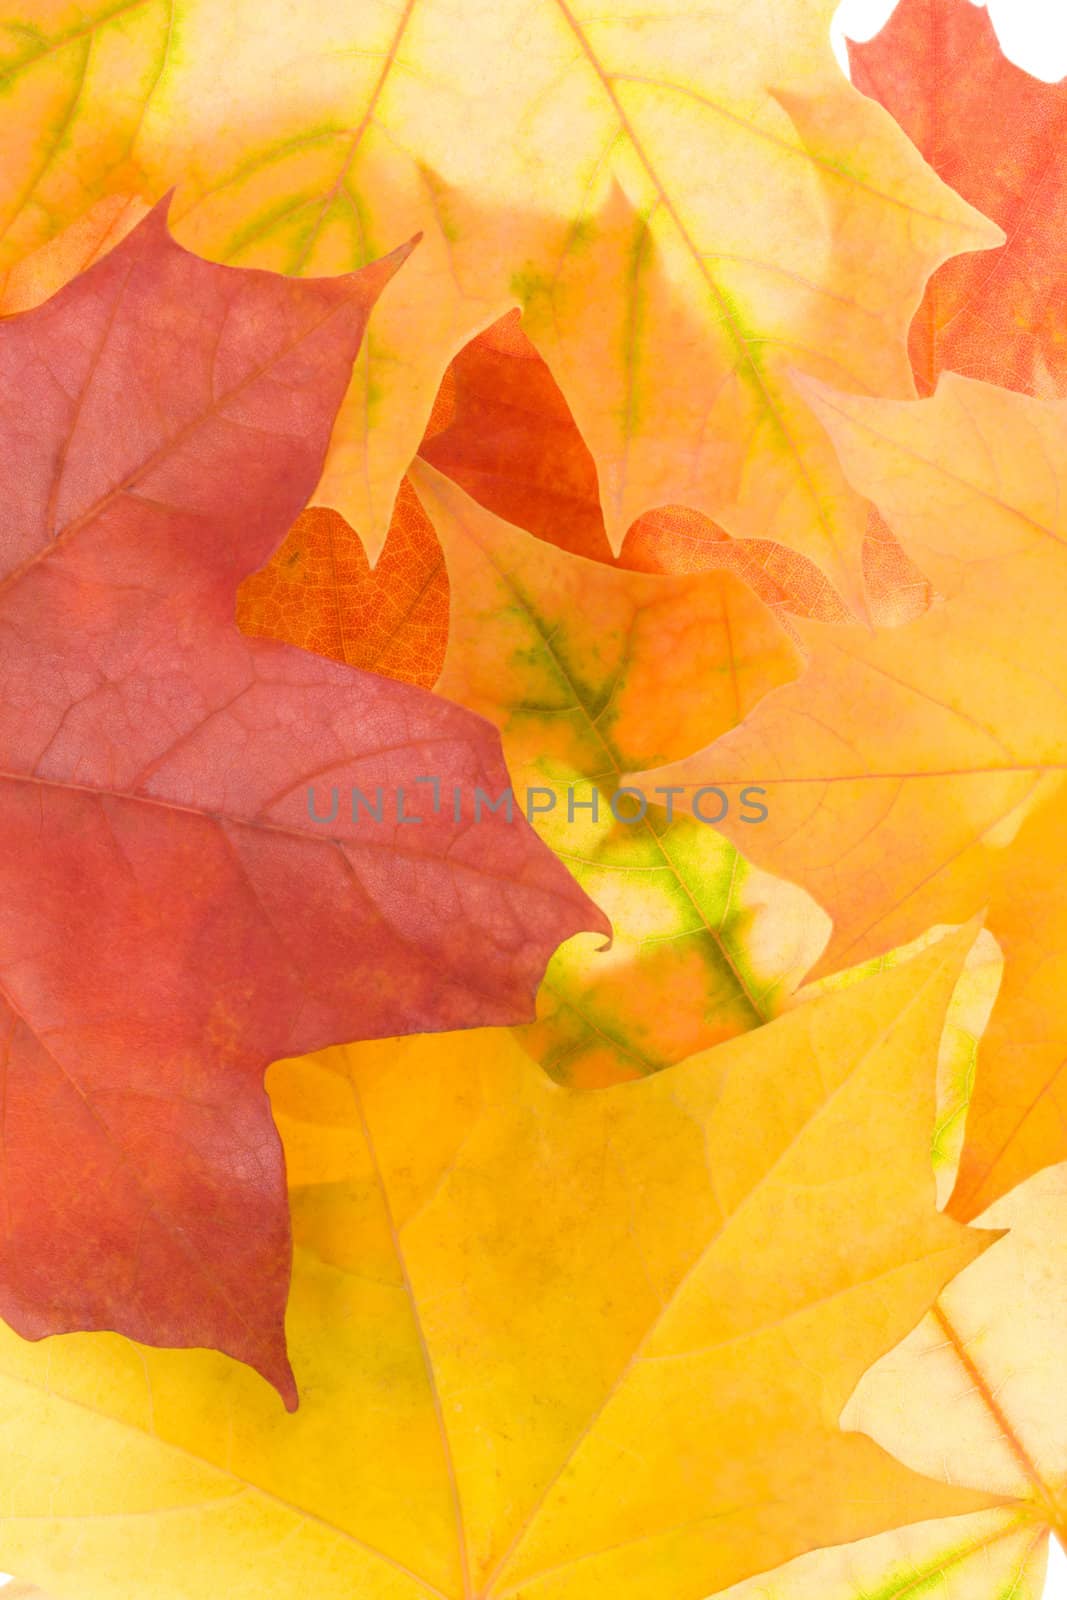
[[916, 774], [319, 592], [691, 204], [997, 135], [502, 429], [551, 1344], [581, 666], [968, 1016], [171, 917], [973, 1396]]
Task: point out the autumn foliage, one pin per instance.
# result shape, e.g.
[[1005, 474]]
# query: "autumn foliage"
[[447, 449]]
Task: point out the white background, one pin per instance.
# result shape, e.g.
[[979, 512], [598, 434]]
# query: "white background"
[[1033, 33]]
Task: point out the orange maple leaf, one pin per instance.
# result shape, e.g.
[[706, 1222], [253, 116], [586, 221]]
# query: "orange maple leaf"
[[916, 775], [318, 591]]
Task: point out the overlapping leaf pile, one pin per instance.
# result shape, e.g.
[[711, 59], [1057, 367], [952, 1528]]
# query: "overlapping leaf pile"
[[624, 1199]]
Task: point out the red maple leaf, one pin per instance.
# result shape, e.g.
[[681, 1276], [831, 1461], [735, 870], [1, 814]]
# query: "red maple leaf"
[[997, 136], [171, 917]]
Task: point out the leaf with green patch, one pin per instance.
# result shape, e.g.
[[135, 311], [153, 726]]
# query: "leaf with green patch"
[[582, 666]]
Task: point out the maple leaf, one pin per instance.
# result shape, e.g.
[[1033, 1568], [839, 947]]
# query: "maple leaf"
[[997, 136], [973, 1396], [972, 1557], [77, 83], [172, 919], [502, 429], [684, 233], [36, 277], [897, 591], [552, 1344], [319, 592], [675, 539], [917, 775], [582, 666], [679, 432], [687, 909], [968, 1017]]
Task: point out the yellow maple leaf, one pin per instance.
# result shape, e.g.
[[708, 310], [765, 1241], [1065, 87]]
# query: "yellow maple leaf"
[[973, 1396], [550, 1344], [691, 203], [76, 83], [996, 1553], [917, 775], [968, 1017]]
